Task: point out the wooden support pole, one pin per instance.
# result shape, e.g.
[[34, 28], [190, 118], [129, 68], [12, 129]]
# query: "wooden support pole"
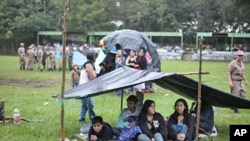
[[199, 94], [66, 2]]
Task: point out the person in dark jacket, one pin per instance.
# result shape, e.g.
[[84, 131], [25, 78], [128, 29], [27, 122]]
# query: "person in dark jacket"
[[206, 117], [100, 131], [151, 123], [180, 123]]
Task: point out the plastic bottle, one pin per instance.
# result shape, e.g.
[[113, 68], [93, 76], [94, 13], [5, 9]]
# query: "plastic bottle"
[[179, 126], [16, 116]]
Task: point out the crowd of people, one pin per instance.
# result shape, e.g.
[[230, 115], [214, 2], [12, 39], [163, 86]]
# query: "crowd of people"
[[45, 56], [139, 120], [143, 123]]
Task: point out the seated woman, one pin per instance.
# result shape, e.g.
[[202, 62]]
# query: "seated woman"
[[151, 123], [180, 123]]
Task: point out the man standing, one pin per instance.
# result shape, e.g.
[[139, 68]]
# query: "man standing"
[[52, 56], [40, 57], [236, 76], [21, 53], [31, 58]]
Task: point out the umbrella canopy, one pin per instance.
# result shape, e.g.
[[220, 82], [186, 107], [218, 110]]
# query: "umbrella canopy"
[[125, 77], [129, 39]]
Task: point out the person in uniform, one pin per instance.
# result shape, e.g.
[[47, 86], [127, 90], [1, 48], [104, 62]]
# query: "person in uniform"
[[236, 76], [21, 54], [31, 57], [52, 59], [40, 57]]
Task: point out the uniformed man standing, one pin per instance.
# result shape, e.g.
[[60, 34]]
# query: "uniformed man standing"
[[52, 59], [31, 57], [40, 57], [21, 53], [236, 76]]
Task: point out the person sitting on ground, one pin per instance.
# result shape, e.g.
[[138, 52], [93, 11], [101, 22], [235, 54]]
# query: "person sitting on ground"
[[128, 118], [100, 131], [207, 126], [180, 123], [129, 115], [151, 123]]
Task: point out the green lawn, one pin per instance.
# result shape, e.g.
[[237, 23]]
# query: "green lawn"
[[31, 91]]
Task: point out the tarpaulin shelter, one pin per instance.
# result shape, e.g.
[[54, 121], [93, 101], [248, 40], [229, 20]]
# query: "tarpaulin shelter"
[[79, 58], [126, 77], [129, 39]]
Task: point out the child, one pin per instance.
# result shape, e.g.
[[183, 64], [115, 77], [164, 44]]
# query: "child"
[[75, 76], [127, 119], [100, 131], [128, 115]]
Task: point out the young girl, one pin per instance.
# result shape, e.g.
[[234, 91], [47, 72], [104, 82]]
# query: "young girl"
[[140, 64], [75, 75], [131, 59], [180, 124], [151, 123]]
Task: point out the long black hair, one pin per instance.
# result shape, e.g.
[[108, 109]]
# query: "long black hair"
[[185, 104], [146, 105], [91, 56]]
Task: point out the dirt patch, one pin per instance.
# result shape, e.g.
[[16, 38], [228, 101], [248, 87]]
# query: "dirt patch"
[[28, 83]]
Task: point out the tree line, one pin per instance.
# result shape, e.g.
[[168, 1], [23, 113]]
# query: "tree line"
[[22, 19]]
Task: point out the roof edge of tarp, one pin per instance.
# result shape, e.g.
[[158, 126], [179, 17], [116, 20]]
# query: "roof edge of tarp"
[[179, 84]]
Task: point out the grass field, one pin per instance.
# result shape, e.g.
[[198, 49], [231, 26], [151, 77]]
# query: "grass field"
[[31, 91]]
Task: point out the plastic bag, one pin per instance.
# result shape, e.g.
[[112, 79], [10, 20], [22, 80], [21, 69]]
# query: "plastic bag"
[[148, 58], [129, 133]]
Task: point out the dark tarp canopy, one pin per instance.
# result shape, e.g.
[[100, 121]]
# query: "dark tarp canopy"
[[125, 77], [129, 39]]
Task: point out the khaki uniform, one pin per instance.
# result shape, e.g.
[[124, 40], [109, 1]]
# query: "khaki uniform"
[[40, 58], [31, 58], [52, 59], [21, 54], [236, 70]]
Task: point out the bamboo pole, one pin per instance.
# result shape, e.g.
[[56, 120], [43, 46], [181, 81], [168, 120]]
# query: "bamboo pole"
[[191, 73], [122, 66], [63, 67], [199, 94]]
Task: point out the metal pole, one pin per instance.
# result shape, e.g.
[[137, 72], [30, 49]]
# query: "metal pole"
[[63, 67], [199, 93]]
